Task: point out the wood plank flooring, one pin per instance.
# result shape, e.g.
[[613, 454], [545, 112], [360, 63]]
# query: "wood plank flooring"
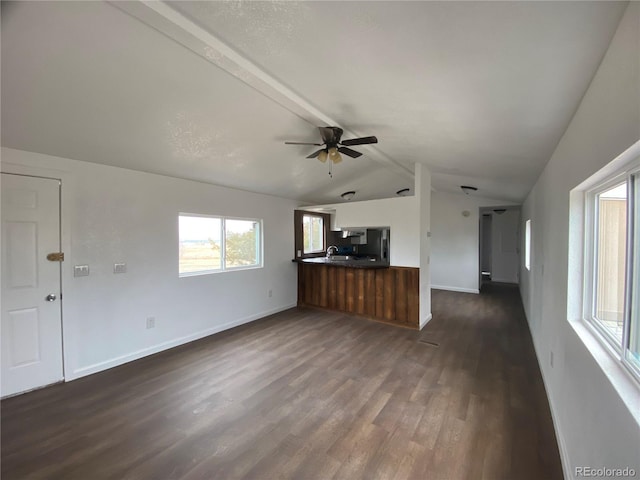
[[305, 394]]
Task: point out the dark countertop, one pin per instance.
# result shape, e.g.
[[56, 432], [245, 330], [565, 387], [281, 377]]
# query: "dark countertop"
[[356, 263]]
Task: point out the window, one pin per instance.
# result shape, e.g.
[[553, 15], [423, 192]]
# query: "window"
[[610, 250], [313, 233], [632, 352], [527, 244], [612, 297], [310, 230], [241, 243], [215, 244]]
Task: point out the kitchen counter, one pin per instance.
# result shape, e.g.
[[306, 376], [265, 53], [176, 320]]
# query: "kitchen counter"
[[372, 289], [352, 263]]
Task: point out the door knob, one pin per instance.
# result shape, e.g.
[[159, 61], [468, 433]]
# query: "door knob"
[[51, 297]]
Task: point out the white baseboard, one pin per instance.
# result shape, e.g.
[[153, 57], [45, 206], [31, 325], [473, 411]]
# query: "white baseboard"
[[425, 321], [455, 289], [114, 362]]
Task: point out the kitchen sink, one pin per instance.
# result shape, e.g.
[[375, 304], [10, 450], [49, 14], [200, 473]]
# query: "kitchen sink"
[[341, 258]]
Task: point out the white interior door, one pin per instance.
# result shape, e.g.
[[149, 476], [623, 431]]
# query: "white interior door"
[[505, 252], [31, 327]]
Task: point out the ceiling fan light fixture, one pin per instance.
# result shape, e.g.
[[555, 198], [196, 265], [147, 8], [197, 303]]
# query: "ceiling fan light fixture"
[[322, 156], [334, 155], [348, 195], [467, 189]]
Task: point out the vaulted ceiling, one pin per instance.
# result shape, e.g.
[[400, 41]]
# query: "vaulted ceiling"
[[480, 92]]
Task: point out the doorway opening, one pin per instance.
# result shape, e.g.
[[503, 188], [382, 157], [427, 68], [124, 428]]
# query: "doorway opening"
[[485, 248], [499, 254]]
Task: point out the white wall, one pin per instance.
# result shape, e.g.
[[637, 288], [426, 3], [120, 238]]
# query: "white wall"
[[595, 426], [455, 240], [401, 214], [423, 193], [117, 215]]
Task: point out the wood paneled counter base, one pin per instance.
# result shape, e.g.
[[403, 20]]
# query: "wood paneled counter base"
[[389, 295]]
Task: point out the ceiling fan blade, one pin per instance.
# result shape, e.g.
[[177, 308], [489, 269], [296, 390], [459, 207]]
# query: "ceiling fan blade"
[[360, 141], [348, 151], [315, 154], [302, 143]]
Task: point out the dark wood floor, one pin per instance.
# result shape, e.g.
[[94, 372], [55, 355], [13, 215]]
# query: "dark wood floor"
[[305, 394]]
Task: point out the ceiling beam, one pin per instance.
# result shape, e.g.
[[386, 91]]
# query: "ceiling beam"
[[173, 24]]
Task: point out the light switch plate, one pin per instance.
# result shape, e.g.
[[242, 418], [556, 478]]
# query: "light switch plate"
[[81, 270], [119, 268]]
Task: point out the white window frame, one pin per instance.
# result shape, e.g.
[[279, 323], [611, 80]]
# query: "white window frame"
[[324, 240], [527, 244], [618, 349], [223, 264]]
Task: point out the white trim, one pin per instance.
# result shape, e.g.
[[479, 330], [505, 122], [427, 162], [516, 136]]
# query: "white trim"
[[114, 362], [456, 289], [425, 321]]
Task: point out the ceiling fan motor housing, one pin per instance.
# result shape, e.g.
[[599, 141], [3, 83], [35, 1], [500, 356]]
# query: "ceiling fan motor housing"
[[331, 136]]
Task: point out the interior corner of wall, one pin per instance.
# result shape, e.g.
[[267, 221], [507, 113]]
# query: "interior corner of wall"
[[425, 320]]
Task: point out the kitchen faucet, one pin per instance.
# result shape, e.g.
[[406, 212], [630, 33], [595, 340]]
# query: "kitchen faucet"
[[331, 250]]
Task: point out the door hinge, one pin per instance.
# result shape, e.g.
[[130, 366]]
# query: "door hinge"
[[56, 257]]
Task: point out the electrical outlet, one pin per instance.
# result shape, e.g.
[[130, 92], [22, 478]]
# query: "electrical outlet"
[[551, 359], [119, 268], [151, 322], [270, 293], [81, 270]]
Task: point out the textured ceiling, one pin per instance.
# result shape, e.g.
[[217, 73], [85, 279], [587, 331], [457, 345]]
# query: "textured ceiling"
[[480, 92]]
